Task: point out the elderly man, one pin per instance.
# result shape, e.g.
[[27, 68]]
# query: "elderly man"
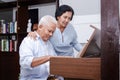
[[35, 54]]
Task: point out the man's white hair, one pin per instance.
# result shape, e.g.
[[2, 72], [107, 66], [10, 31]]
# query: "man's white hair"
[[47, 20]]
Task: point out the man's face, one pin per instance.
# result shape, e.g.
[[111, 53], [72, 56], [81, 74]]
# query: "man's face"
[[47, 31], [64, 19]]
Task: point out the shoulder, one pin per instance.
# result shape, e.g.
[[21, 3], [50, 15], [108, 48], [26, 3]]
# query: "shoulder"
[[56, 33], [70, 25], [27, 40], [70, 28], [49, 43]]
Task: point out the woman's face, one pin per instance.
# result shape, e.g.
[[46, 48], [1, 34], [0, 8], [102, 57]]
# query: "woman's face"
[[64, 19]]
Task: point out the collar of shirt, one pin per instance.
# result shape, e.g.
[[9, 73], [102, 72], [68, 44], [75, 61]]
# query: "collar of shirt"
[[38, 36]]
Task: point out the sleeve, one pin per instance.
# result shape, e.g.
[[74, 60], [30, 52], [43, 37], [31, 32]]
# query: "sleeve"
[[51, 49], [26, 54], [75, 43]]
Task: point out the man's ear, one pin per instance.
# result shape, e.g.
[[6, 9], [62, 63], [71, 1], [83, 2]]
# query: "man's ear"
[[40, 27]]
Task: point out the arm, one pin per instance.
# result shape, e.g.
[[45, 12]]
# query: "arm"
[[27, 58], [77, 45], [39, 60], [73, 38]]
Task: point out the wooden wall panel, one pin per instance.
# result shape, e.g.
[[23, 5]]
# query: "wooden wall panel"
[[110, 39]]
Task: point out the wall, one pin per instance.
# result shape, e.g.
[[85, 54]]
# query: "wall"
[[83, 7], [82, 27], [44, 9]]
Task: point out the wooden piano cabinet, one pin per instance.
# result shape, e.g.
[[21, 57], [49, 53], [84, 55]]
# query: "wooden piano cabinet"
[[79, 68]]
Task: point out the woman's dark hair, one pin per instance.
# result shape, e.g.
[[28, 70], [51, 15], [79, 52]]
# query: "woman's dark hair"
[[62, 9]]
